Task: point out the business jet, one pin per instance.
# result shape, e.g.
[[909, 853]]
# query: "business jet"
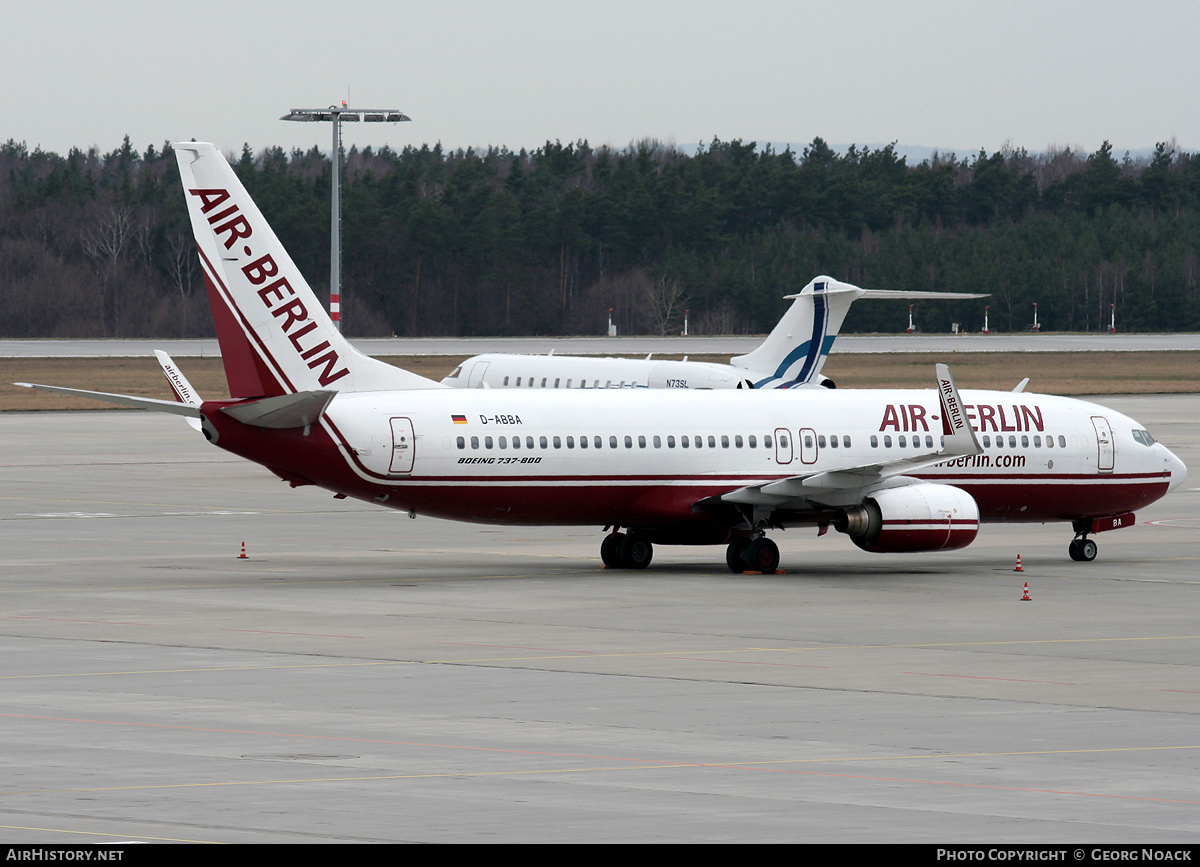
[[895, 470], [791, 357]]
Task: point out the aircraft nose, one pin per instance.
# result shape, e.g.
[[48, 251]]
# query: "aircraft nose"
[[1178, 470]]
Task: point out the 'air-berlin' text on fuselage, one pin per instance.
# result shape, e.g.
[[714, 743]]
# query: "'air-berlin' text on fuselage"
[[983, 417], [230, 222]]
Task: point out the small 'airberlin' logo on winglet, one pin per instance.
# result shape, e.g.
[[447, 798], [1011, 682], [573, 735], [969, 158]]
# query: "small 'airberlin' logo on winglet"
[[230, 221], [952, 414]]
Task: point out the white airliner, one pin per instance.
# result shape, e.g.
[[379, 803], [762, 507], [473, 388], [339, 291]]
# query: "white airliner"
[[791, 357], [896, 470]]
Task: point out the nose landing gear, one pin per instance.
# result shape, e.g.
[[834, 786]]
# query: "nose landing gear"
[[1082, 549]]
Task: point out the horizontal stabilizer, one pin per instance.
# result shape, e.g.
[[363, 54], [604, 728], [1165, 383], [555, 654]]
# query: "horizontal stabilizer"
[[170, 406], [900, 293], [289, 410]]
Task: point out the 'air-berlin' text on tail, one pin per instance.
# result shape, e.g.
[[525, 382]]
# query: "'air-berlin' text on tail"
[[275, 337]]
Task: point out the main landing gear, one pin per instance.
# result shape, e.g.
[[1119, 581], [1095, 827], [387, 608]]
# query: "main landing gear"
[[626, 551], [758, 554]]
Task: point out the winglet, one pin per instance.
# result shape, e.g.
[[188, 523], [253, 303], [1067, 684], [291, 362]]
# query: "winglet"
[[180, 387], [958, 437]]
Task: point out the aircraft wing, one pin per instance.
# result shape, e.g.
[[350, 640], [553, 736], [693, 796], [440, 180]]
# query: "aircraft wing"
[[850, 483], [170, 406]]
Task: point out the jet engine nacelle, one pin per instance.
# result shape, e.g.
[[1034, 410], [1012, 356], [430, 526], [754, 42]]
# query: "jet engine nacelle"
[[922, 517]]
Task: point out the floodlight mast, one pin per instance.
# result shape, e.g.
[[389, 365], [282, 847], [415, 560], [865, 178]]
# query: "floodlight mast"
[[339, 115]]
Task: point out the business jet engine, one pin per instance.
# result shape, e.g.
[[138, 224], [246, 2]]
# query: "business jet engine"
[[922, 517]]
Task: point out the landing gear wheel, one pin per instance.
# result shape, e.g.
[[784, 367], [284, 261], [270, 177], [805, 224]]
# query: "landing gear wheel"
[[635, 552], [735, 555], [762, 555], [1082, 550], [609, 550]]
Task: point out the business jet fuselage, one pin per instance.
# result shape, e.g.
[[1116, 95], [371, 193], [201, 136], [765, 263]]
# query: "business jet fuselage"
[[791, 356]]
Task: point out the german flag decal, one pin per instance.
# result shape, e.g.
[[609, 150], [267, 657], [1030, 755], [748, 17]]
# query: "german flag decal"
[[459, 419]]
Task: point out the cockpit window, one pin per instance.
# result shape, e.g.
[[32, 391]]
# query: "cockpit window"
[[1143, 437]]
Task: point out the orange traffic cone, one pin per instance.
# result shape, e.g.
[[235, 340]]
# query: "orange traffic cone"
[[1025, 595], [243, 556], [1018, 568]]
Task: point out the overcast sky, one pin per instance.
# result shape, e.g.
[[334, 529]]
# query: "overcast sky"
[[959, 75]]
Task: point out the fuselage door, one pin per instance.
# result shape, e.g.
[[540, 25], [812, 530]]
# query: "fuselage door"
[[783, 446], [475, 379], [808, 445], [403, 446], [1104, 444]]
